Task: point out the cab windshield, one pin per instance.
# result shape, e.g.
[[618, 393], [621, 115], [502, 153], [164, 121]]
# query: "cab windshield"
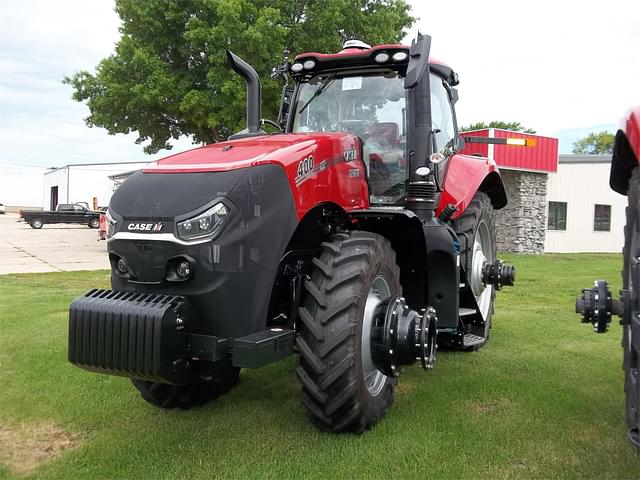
[[372, 107]]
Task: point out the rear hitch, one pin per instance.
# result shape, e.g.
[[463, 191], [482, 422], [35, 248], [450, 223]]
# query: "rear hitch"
[[498, 274], [401, 336], [596, 306]]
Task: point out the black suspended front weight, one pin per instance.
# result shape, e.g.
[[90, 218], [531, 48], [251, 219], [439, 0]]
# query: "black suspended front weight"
[[400, 336]]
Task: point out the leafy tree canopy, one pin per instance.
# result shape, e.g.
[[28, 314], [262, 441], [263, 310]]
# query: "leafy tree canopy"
[[595, 143], [168, 75], [514, 126]]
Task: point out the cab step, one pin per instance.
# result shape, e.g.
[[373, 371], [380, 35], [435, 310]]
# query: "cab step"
[[471, 340]]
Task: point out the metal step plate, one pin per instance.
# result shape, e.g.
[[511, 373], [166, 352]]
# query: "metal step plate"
[[472, 340]]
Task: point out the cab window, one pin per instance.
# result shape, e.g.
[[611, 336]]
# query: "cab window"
[[441, 114]]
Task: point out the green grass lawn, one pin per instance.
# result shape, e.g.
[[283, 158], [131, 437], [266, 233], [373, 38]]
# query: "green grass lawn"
[[544, 399]]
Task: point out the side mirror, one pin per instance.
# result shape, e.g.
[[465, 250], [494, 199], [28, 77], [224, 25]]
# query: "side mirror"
[[285, 105], [458, 143]]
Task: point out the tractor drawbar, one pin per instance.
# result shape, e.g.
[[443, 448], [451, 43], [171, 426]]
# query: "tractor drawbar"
[[401, 336]]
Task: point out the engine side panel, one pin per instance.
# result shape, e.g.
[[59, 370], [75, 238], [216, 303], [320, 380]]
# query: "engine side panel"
[[320, 167]]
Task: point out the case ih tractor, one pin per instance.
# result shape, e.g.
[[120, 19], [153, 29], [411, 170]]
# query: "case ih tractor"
[[358, 237], [596, 305]]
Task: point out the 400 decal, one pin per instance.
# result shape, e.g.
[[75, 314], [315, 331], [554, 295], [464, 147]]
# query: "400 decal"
[[305, 167]]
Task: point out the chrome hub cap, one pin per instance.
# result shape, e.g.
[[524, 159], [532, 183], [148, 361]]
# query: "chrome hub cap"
[[374, 379], [482, 253]]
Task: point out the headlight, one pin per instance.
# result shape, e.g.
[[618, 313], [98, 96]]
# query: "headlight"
[[111, 225], [399, 56], [206, 224], [381, 57]]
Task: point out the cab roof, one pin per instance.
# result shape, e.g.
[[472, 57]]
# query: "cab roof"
[[354, 57]]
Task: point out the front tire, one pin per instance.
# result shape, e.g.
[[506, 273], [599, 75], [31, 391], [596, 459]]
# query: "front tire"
[[184, 397], [94, 223], [342, 389], [476, 230]]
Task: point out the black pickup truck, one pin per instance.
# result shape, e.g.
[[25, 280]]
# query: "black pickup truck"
[[65, 213]]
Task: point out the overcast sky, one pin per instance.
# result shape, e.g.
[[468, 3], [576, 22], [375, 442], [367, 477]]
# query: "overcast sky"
[[562, 68]]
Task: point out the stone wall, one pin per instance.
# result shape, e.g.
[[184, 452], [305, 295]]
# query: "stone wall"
[[521, 225]]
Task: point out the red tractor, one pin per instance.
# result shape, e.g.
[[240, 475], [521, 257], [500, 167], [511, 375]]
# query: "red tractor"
[[596, 305], [358, 237]]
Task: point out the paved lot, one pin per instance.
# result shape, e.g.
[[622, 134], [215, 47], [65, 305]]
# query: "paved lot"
[[54, 248]]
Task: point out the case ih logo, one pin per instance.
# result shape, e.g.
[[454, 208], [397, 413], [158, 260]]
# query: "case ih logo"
[[145, 227]]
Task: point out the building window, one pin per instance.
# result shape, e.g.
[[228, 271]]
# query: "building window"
[[557, 216], [602, 218]]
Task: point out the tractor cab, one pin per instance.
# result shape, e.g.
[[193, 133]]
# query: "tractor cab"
[[365, 91]]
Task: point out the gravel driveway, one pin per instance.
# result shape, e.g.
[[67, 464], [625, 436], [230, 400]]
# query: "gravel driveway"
[[54, 248]]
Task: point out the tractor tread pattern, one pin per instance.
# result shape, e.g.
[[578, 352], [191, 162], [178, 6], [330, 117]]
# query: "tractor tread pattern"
[[465, 226], [310, 386], [311, 358], [630, 342], [322, 266], [313, 327], [329, 333], [185, 397]]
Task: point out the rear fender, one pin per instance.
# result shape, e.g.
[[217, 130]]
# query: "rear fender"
[[466, 175], [626, 152]]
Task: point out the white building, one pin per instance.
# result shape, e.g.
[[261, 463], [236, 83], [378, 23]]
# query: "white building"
[[83, 183], [20, 186], [583, 213]]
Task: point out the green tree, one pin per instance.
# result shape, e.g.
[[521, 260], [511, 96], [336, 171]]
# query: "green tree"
[[169, 77], [595, 143], [514, 126]]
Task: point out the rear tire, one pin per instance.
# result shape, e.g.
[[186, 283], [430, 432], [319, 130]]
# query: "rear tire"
[[342, 389], [163, 395], [631, 283], [477, 234], [36, 223], [94, 223]]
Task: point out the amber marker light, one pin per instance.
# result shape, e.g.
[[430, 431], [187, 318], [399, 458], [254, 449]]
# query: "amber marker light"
[[523, 142]]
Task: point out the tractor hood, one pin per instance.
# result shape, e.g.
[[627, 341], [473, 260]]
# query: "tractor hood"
[[247, 152]]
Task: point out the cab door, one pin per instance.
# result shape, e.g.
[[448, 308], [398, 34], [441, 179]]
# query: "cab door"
[[443, 122]]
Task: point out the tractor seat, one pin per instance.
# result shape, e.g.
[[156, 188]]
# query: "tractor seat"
[[386, 130]]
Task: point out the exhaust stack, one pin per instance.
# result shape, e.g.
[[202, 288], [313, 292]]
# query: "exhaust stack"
[[254, 95]]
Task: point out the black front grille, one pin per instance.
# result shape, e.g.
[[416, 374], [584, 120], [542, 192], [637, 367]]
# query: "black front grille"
[[131, 334]]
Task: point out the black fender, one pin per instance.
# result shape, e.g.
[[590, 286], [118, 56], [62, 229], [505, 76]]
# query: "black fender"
[[304, 243], [623, 162], [427, 255]]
